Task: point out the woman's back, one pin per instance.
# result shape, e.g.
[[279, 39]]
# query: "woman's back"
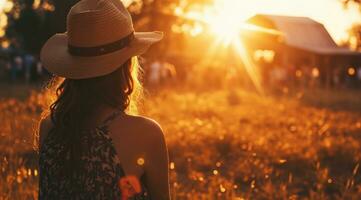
[[99, 175], [96, 72]]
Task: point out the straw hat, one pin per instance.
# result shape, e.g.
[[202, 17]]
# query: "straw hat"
[[100, 38]]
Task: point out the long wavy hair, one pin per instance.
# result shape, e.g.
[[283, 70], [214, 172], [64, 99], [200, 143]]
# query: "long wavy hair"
[[77, 100]]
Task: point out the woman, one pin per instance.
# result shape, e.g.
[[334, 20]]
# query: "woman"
[[89, 147]]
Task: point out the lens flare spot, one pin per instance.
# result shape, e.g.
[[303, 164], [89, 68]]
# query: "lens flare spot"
[[171, 165], [351, 71], [315, 72], [222, 188], [140, 161]]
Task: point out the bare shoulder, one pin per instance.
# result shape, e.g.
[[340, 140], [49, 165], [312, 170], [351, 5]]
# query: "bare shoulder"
[[144, 127], [147, 126], [45, 126]]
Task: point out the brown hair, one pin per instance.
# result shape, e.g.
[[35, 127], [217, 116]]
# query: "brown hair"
[[76, 100]]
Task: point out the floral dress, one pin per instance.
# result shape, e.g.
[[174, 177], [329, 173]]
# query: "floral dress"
[[100, 175]]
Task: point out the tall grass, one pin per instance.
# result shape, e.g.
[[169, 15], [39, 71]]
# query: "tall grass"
[[222, 144]]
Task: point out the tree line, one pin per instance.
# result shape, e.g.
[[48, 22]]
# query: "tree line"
[[29, 25]]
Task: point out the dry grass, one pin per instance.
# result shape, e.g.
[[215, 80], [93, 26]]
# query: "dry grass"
[[223, 145]]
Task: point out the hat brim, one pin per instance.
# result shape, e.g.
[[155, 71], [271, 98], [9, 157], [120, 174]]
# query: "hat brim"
[[57, 60]]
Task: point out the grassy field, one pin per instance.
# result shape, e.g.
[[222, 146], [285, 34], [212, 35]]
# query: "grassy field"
[[223, 144]]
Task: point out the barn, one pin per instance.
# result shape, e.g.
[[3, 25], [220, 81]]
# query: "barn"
[[304, 47]]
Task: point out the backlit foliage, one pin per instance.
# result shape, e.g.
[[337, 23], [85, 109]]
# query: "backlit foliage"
[[222, 145]]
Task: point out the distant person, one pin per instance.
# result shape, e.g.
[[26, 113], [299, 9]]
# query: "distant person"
[[15, 61], [39, 69], [29, 62], [154, 76], [90, 146], [16, 67], [161, 72], [336, 80], [278, 76], [168, 72]]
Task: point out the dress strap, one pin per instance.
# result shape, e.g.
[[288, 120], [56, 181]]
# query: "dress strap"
[[111, 117]]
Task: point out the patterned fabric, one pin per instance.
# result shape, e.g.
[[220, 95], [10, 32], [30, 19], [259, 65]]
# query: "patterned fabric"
[[99, 177]]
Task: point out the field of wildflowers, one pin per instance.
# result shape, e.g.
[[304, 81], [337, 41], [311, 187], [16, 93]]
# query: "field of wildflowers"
[[223, 144]]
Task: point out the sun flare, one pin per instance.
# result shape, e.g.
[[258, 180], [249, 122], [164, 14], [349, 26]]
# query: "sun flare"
[[226, 22], [227, 19], [222, 27]]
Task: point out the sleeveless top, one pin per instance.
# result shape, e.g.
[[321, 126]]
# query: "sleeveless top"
[[100, 176]]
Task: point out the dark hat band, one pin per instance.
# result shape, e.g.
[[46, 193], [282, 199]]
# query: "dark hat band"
[[101, 50]]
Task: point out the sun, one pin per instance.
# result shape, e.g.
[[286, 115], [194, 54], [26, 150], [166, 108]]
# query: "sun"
[[226, 23], [224, 18], [228, 18], [224, 29]]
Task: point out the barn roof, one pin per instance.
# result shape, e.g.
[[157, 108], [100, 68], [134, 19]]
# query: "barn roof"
[[303, 33]]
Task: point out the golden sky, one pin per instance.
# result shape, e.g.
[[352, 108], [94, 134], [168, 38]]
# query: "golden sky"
[[329, 12]]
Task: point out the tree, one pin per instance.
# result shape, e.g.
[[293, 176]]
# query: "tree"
[[354, 40], [355, 37], [158, 14], [58, 19], [348, 2], [31, 25], [28, 26]]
